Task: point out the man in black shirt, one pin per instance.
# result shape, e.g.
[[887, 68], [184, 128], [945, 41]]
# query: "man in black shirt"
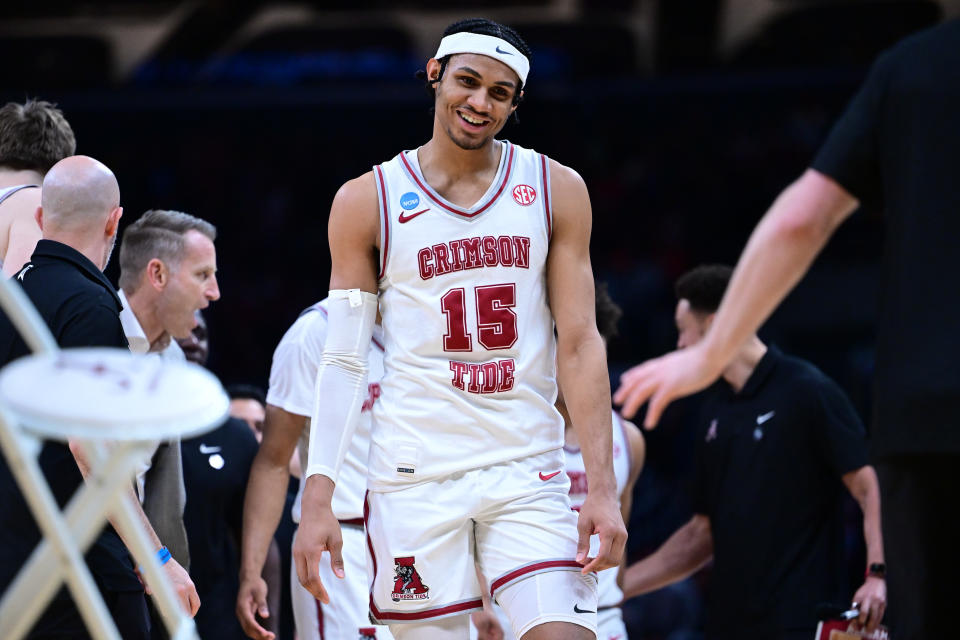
[[79, 214], [896, 147], [216, 466], [777, 443]]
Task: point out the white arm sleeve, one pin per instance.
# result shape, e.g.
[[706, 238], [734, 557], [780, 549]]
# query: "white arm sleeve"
[[341, 379]]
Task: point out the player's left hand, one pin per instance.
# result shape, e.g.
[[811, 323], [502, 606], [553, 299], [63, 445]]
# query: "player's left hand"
[[872, 601], [600, 514], [663, 380]]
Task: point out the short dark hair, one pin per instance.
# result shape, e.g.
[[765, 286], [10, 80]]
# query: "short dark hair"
[[158, 233], [703, 287], [247, 392], [608, 313], [483, 27], [34, 136]]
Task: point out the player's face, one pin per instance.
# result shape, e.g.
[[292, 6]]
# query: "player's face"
[[251, 412], [691, 326], [474, 98], [192, 285]]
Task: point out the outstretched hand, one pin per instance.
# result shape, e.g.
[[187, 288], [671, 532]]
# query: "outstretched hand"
[[319, 531], [662, 380]]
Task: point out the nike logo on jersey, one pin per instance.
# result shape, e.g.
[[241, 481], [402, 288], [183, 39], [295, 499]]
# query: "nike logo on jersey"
[[407, 218], [204, 449], [765, 417], [577, 609], [547, 476]]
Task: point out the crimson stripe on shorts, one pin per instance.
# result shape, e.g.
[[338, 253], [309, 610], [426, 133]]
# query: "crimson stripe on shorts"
[[544, 168], [530, 568], [373, 556], [356, 522], [378, 345], [426, 613], [320, 620], [458, 211], [385, 241]]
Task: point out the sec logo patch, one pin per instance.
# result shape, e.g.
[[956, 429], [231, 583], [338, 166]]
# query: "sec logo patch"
[[524, 194]]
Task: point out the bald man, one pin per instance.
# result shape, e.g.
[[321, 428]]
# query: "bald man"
[[79, 213]]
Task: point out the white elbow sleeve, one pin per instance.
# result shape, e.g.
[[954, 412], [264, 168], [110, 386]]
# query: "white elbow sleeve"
[[341, 379]]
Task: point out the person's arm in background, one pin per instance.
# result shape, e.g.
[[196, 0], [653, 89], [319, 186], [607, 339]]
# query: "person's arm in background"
[[686, 551], [779, 252], [638, 454], [24, 232], [582, 365], [872, 595], [776, 257], [182, 584], [94, 324], [263, 509]]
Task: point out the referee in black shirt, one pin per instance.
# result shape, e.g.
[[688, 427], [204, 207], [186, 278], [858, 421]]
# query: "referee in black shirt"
[[777, 443], [65, 281], [897, 147]]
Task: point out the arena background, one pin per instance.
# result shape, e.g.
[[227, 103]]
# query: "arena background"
[[685, 118]]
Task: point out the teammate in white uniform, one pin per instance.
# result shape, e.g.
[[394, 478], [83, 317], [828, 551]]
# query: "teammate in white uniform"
[[289, 404], [629, 452], [34, 136], [483, 250]]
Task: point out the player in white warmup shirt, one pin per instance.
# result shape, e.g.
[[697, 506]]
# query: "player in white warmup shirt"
[[34, 136], [289, 403], [629, 452], [476, 251]]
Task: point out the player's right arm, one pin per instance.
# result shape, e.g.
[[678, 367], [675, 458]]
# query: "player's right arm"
[[262, 510], [353, 236], [689, 548], [23, 232]]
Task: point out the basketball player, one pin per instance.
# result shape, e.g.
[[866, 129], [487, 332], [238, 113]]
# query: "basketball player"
[[629, 451], [34, 136], [478, 250], [289, 405]]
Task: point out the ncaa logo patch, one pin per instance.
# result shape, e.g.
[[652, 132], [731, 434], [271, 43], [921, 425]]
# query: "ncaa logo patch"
[[524, 194], [409, 200], [407, 584]]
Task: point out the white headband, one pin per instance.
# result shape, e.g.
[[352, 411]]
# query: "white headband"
[[492, 46]]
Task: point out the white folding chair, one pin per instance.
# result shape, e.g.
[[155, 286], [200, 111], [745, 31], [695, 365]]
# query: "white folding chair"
[[91, 397]]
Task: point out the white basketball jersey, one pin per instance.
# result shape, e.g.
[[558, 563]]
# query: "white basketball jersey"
[[292, 383], [608, 591], [470, 372]]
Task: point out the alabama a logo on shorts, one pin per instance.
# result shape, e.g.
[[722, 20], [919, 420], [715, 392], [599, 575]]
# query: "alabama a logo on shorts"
[[407, 584]]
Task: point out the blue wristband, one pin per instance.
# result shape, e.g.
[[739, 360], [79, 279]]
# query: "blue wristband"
[[163, 556]]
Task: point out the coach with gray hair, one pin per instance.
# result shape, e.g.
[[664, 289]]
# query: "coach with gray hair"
[[168, 270]]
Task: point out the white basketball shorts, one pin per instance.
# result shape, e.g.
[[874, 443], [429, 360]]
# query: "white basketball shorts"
[[514, 519]]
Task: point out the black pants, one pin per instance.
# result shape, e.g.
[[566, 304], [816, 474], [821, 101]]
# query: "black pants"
[[62, 621], [921, 531]]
